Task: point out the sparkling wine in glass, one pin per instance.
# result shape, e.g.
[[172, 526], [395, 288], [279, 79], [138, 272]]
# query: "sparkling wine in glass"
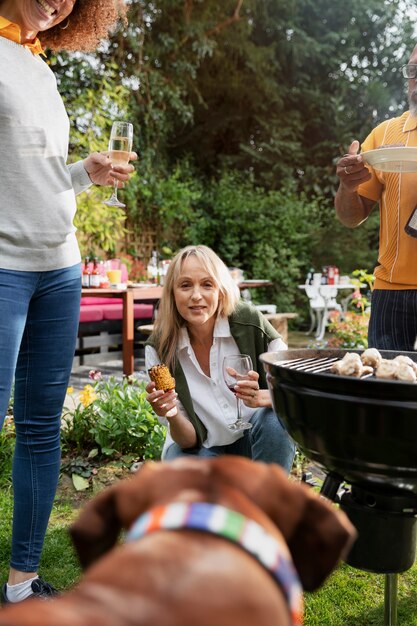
[[236, 368], [120, 147]]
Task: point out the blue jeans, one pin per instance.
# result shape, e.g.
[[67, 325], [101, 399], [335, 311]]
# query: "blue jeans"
[[39, 314], [266, 441]]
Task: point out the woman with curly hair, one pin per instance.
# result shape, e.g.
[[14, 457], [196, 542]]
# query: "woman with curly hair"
[[40, 274]]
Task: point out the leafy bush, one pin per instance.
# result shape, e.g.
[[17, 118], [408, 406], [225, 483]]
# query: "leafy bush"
[[269, 234], [114, 417], [349, 331]]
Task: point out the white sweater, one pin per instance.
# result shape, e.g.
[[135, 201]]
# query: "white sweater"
[[37, 188]]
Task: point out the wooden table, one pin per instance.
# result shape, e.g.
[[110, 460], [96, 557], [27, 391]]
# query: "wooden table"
[[141, 295]]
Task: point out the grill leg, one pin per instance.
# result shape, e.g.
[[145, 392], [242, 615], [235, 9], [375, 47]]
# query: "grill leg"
[[390, 605], [331, 486]]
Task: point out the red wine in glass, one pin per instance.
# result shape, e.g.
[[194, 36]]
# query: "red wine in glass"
[[236, 367]]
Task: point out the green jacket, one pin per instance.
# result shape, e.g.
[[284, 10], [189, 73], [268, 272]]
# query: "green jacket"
[[252, 333]]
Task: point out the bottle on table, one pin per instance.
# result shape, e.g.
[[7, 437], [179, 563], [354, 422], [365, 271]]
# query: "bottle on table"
[[95, 278], [85, 279], [164, 265], [153, 268]]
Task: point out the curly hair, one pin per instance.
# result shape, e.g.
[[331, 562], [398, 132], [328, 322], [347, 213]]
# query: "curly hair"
[[89, 22]]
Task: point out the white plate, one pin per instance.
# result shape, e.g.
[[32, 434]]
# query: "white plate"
[[392, 159], [141, 285]]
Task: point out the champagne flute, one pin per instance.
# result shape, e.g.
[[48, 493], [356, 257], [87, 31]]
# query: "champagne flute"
[[120, 147], [236, 368]]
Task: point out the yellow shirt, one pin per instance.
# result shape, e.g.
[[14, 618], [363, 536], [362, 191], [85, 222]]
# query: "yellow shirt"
[[12, 31], [397, 197]]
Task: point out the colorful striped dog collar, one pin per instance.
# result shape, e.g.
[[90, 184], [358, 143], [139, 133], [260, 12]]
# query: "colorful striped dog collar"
[[231, 525]]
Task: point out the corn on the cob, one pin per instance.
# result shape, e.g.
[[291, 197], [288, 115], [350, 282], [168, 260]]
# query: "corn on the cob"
[[161, 377]]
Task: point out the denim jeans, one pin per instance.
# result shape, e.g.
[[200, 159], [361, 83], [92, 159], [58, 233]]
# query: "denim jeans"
[[266, 441], [39, 314]]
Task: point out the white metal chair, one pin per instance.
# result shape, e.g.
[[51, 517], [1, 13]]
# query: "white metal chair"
[[322, 303]]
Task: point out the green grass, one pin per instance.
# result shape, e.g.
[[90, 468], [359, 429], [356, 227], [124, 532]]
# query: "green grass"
[[348, 598], [352, 597], [59, 563]]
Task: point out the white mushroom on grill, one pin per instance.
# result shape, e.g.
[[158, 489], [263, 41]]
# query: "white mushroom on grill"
[[371, 357], [387, 369], [401, 358], [371, 361], [350, 365], [406, 372]]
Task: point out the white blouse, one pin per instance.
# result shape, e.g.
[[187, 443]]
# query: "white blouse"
[[213, 401]]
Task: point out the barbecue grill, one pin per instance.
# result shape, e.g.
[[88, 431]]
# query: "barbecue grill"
[[362, 431]]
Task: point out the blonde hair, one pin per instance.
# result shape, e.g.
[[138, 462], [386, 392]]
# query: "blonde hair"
[[169, 322], [88, 23]]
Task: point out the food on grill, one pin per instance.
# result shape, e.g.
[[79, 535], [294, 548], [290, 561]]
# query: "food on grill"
[[351, 365], [405, 372], [387, 369], [371, 357], [401, 358], [371, 362], [400, 368], [162, 378]]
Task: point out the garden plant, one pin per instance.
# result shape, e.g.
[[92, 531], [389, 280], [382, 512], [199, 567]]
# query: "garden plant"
[[110, 420]]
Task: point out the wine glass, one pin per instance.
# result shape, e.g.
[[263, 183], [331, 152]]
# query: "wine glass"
[[235, 368], [120, 147]]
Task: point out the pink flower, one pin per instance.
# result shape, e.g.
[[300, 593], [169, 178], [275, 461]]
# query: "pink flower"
[[95, 375]]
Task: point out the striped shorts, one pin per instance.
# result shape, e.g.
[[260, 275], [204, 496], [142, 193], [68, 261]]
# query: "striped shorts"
[[393, 323]]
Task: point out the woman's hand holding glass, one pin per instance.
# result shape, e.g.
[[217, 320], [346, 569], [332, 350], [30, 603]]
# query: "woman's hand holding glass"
[[236, 370], [101, 171], [120, 149], [247, 390]]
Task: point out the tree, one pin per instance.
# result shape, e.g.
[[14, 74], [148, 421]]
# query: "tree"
[[273, 90]]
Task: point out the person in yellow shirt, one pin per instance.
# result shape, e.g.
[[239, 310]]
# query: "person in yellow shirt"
[[393, 321], [40, 273]]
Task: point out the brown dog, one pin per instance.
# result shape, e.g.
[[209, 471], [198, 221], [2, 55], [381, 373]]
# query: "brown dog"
[[186, 577]]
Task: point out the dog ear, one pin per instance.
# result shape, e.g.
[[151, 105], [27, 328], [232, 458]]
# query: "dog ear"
[[97, 528], [322, 536], [317, 534]]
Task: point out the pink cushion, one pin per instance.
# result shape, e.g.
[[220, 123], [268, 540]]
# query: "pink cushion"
[[86, 300], [115, 311], [91, 314]]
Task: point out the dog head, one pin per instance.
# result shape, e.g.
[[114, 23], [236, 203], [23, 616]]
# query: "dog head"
[[317, 534]]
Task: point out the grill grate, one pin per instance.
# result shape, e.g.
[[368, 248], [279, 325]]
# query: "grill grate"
[[314, 365]]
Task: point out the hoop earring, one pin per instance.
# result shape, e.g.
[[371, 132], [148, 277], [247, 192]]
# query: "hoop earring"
[[66, 25]]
